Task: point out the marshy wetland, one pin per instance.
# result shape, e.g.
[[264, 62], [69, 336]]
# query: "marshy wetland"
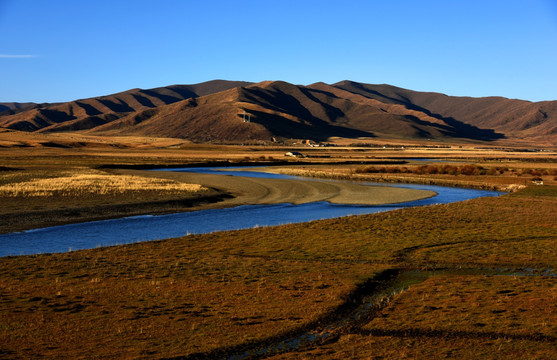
[[472, 279]]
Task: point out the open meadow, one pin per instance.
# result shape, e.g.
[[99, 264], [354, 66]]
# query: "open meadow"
[[468, 280]]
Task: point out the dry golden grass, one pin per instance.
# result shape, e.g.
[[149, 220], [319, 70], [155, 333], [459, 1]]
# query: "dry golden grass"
[[401, 346], [33, 197], [199, 293], [509, 181], [92, 183], [160, 299], [205, 292], [481, 305]]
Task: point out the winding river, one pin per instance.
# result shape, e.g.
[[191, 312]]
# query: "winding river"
[[150, 227]]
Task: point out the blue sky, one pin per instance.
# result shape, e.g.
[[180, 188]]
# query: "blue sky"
[[65, 50]]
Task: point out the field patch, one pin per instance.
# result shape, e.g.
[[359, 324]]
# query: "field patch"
[[161, 300], [480, 306], [92, 184], [225, 292]]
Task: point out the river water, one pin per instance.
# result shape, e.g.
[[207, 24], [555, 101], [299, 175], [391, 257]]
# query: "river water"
[[152, 227]]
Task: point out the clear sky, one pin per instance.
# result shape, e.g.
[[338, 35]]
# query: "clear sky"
[[60, 50]]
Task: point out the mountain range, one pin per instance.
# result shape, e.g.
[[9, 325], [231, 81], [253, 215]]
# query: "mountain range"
[[236, 111]]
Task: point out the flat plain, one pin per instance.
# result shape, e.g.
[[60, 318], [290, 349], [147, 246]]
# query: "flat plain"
[[473, 279]]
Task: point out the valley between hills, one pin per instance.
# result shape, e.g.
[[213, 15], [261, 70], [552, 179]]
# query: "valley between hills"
[[467, 280]]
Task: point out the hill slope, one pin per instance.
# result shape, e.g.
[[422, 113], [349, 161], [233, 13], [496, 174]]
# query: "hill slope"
[[514, 118], [92, 112], [10, 108], [215, 111], [278, 109]]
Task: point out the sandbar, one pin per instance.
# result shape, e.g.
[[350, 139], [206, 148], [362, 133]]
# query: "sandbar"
[[257, 191], [225, 191]]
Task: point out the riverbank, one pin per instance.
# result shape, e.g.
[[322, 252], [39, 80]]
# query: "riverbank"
[[227, 292], [219, 192], [260, 191], [359, 174], [206, 294], [28, 163]]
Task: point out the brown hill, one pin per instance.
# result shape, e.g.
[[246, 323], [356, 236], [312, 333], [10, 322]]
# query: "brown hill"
[[274, 109], [10, 108], [279, 109], [92, 112], [214, 111], [513, 118]]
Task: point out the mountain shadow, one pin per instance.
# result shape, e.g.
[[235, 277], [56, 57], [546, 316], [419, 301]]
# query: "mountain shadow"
[[286, 128], [392, 95], [277, 100], [457, 128]]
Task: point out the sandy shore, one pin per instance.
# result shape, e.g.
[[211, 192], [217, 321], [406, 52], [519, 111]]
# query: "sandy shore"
[[272, 191]]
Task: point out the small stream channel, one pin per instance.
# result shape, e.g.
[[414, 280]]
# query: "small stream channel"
[[127, 230], [360, 308]]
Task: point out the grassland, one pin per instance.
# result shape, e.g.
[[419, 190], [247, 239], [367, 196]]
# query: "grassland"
[[91, 184], [208, 295], [447, 317], [53, 195], [44, 187], [480, 174]]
